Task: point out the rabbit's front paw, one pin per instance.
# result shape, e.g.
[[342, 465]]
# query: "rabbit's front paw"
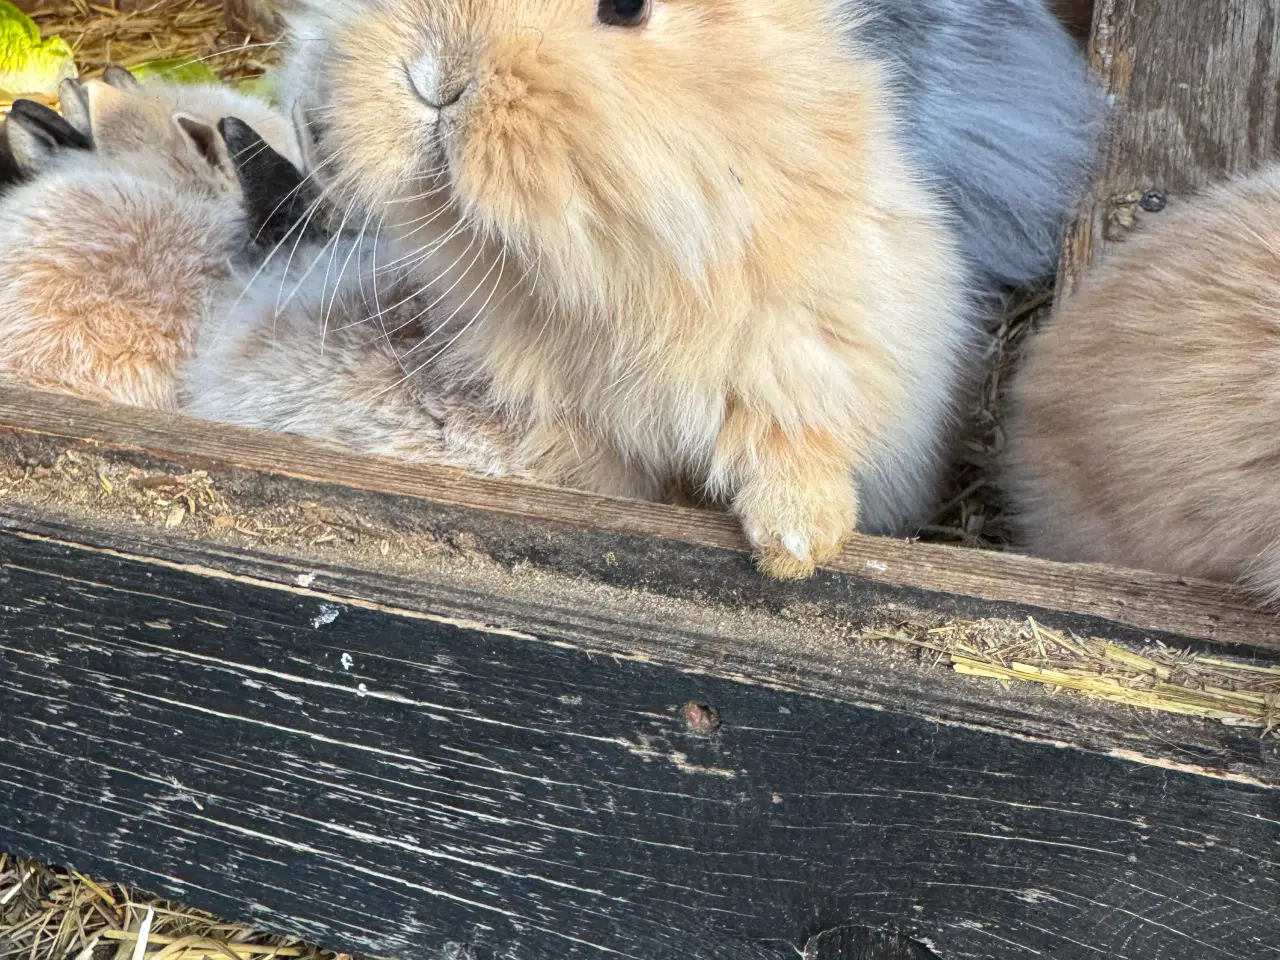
[[792, 529]]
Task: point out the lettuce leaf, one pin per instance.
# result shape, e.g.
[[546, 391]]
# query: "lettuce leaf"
[[29, 65], [177, 70]]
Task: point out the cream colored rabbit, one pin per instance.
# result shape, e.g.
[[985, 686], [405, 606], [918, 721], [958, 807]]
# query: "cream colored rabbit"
[[1145, 427], [111, 256], [682, 241]]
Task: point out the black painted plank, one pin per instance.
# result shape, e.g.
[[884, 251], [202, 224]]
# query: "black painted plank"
[[395, 784]]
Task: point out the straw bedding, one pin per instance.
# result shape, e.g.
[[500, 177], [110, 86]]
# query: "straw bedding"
[[52, 914], [132, 32]]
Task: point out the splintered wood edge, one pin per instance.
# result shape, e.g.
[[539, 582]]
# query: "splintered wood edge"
[[1082, 237], [1134, 599]]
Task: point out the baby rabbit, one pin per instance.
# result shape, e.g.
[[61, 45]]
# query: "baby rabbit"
[[111, 255], [684, 241], [351, 359], [1145, 422]]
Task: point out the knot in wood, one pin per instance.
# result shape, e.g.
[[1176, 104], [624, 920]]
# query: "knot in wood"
[[700, 718]]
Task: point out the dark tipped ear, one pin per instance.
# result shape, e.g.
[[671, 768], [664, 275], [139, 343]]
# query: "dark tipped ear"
[[30, 148], [205, 141], [36, 134], [73, 100], [37, 116], [276, 194], [119, 77]]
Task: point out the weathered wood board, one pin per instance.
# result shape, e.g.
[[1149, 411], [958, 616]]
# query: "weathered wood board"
[[480, 742], [1196, 92], [394, 784]]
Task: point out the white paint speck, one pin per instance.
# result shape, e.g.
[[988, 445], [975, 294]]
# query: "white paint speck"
[[305, 579], [877, 566], [328, 614], [348, 661], [362, 691]]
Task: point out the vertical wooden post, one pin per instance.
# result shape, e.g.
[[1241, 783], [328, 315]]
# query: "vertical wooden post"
[[1195, 85]]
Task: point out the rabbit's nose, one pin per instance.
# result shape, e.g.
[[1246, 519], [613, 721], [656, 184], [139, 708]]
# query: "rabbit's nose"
[[452, 91], [435, 86]]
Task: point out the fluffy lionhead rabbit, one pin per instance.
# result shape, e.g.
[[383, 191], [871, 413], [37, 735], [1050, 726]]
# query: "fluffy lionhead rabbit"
[[686, 238], [993, 96], [111, 254], [1145, 428]]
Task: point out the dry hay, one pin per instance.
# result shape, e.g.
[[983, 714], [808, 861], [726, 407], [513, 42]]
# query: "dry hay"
[[51, 914], [132, 33], [1229, 690], [972, 514]]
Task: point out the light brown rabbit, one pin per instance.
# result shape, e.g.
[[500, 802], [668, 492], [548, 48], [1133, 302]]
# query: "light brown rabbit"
[[111, 255], [684, 239], [1145, 423]]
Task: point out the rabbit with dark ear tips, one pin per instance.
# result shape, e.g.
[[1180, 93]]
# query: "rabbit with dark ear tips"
[[111, 256], [350, 358]]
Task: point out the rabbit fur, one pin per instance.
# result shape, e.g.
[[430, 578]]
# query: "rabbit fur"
[[112, 255], [666, 267], [1145, 420]]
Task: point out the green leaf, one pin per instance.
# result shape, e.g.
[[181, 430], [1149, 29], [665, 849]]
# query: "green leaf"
[[262, 86], [179, 70], [29, 65]]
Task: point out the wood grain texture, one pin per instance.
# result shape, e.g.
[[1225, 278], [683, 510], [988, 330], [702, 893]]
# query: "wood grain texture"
[[1196, 87], [420, 787], [1137, 601]]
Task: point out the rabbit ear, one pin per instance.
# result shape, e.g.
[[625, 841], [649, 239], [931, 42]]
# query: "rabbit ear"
[[194, 134], [10, 172], [276, 194], [100, 98], [73, 99], [30, 147], [120, 78], [36, 134]]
